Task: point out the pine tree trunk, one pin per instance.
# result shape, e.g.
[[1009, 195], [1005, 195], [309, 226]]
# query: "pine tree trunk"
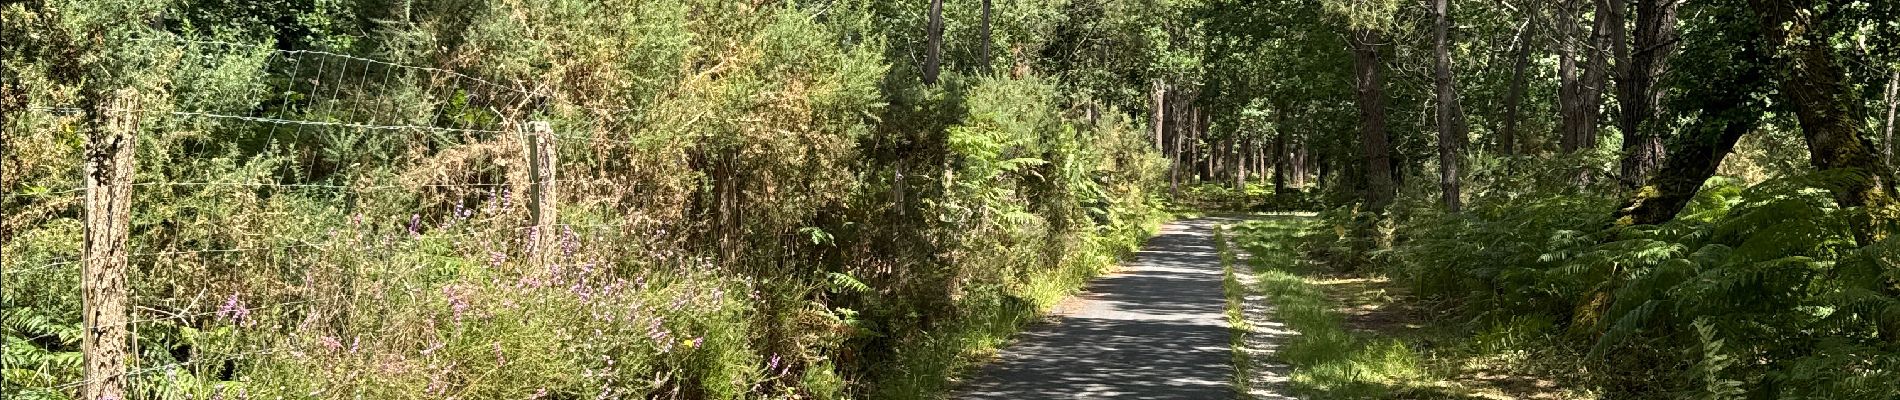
[[1280, 163], [1371, 103], [1160, 113], [933, 54], [983, 58], [1451, 116]]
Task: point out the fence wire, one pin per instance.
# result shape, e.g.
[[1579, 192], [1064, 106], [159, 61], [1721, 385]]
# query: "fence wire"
[[319, 90]]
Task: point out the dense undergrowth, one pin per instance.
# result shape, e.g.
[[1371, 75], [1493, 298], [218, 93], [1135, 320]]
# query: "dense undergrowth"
[[1755, 291], [757, 200]]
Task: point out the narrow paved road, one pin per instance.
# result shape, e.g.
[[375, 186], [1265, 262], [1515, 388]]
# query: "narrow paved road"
[[1156, 330]]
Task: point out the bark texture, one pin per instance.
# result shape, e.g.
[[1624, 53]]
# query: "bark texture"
[[1810, 75], [1654, 43], [1520, 82], [933, 52], [1377, 151], [107, 318], [1451, 116]]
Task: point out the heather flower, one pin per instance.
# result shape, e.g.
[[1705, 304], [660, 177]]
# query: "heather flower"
[[415, 225], [331, 342], [569, 242], [233, 309], [699, 341], [496, 258], [769, 366], [457, 304], [534, 240]]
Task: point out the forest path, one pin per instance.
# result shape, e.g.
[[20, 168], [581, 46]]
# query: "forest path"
[[1154, 330]]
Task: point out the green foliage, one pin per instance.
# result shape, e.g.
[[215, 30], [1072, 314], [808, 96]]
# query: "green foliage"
[[1328, 361], [757, 200], [1745, 295]]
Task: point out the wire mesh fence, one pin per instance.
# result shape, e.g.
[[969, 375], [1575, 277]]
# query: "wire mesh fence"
[[206, 246]]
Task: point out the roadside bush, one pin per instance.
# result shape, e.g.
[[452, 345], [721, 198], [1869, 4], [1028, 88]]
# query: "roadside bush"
[[1756, 291]]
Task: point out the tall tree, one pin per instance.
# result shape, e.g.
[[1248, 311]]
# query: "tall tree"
[[1811, 75], [983, 58], [1719, 94], [1654, 43], [1371, 102], [1582, 95], [1160, 95], [933, 53], [1451, 116], [1520, 81]]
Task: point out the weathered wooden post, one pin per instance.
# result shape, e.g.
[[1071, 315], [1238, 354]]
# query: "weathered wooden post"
[[109, 165], [541, 194]]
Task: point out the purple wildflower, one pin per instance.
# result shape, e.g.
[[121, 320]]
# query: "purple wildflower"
[[233, 309], [569, 242], [534, 240], [415, 225], [773, 364], [331, 342], [457, 304]]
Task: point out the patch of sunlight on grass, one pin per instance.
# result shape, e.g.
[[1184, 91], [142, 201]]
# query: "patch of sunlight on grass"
[[1327, 360]]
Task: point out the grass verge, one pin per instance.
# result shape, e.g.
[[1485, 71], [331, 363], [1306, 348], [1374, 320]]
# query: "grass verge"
[[1237, 321], [1359, 336]]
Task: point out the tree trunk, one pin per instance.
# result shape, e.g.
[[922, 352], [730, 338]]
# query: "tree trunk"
[[1724, 98], [1176, 135], [1280, 163], [1303, 162], [1569, 99], [1643, 149], [1371, 102], [1832, 118], [1596, 75], [1582, 96], [1160, 113], [983, 58], [1203, 163], [1520, 82], [1893, 105], [933, 54], [1451, 116]]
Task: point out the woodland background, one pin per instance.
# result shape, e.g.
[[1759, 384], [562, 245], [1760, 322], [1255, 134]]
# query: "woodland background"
[[860, 198]]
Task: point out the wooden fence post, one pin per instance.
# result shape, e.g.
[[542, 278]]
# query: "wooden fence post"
[[541, 195], [109, 165]]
